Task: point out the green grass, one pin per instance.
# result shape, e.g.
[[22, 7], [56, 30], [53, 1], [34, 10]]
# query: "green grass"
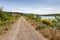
[[6, 19]]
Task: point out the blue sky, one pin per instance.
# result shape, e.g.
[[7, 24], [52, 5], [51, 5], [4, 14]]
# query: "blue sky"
[[31, 6]]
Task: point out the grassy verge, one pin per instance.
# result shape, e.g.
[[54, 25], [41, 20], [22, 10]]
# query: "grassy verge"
[[6, 20], [47, 28]]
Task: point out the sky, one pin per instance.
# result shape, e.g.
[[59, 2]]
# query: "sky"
[[31, 6]]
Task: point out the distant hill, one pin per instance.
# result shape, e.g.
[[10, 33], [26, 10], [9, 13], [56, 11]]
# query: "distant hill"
[[51, 15], [58, 14], [14, 12]]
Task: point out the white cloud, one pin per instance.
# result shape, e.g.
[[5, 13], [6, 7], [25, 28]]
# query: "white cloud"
[[37, 10]]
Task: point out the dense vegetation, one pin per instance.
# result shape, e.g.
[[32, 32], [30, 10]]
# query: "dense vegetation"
[[6, 19], [49, 28]]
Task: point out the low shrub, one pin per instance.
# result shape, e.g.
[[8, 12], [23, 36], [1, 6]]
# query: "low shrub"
[[47, 21], [39, 27]]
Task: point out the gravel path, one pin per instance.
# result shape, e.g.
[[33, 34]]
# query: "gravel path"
[[22, 30]]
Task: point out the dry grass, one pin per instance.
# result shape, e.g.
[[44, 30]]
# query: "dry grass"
[[4, 29], [51, 34], [47, 32]]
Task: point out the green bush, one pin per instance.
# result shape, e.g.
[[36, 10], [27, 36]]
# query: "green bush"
[[1, 22], [6, 18], [37, 18], [47, 21]]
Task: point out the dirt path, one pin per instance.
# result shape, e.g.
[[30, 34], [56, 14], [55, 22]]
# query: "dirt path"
[[11, 34], [22, 30]]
